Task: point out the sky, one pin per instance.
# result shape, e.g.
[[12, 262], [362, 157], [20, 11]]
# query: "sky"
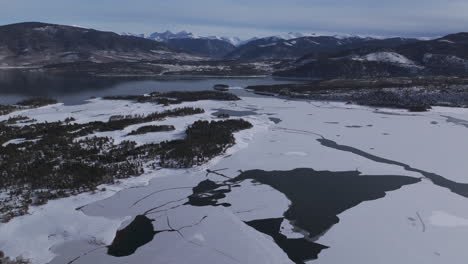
[[248, 18]]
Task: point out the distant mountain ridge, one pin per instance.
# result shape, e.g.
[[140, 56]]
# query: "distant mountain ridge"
[[35, 43], [290, 45], [274, 48], [212, 46], [446, 56], [205, 47], [168, 35]]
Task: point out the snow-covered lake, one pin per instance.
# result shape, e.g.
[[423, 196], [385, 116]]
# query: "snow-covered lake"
[[422, 222]]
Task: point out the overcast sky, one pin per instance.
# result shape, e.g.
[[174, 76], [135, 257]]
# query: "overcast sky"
[[247, 18]]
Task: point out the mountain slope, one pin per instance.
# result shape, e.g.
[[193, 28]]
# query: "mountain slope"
[[312, 46], [347, 69], [444, 56], [168, 35], [34, 43], [205, 46]]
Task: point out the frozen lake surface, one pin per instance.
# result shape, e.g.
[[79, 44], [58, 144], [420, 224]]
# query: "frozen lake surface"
[[373, 186]]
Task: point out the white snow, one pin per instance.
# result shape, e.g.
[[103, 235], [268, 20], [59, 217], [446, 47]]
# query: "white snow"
[[294, 35], [32, 235], [401, 228], [446, 41], [296, 153], [168, 35], [420, 223], [288, 230], [444, 219], [268, 45], [233, 40], [391, 57]]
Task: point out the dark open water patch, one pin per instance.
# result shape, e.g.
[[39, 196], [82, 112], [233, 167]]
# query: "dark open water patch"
[[455, 187], [297, 249], [207, 193], [275, 120], [317, 197], [354, 126], [457, 121], [138, 233]]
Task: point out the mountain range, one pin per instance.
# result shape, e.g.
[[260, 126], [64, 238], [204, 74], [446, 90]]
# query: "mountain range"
[[289, 45], [443, 56], [278, 48], [168, 35], [212, 46], [34, 44]]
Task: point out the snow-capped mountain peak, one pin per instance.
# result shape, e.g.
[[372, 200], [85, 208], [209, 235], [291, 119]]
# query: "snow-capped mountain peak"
[[167, 35], [233, 40], [184, 34], [294, 35], [133, 34], [236, 41]]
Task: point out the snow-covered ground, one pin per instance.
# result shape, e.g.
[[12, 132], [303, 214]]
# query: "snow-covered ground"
[[391, 57], [419, 223]]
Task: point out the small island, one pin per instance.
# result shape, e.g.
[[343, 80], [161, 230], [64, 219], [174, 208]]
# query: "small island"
[[221, 87]]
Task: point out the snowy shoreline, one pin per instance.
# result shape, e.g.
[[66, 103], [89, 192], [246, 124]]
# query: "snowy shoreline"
[[289, 144]]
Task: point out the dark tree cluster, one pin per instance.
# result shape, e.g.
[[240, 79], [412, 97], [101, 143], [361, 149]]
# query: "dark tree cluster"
[[204, 140], [223, 115], [177, 97], [18, 119], [6, 260], [192, 96], [57, 159], [6, 109], [221, 87], [37, 102], [51, 162], [56, 130], [26, 104], [150, 129], [382, 98], [412, 93], [120, 122], [36, 171]]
